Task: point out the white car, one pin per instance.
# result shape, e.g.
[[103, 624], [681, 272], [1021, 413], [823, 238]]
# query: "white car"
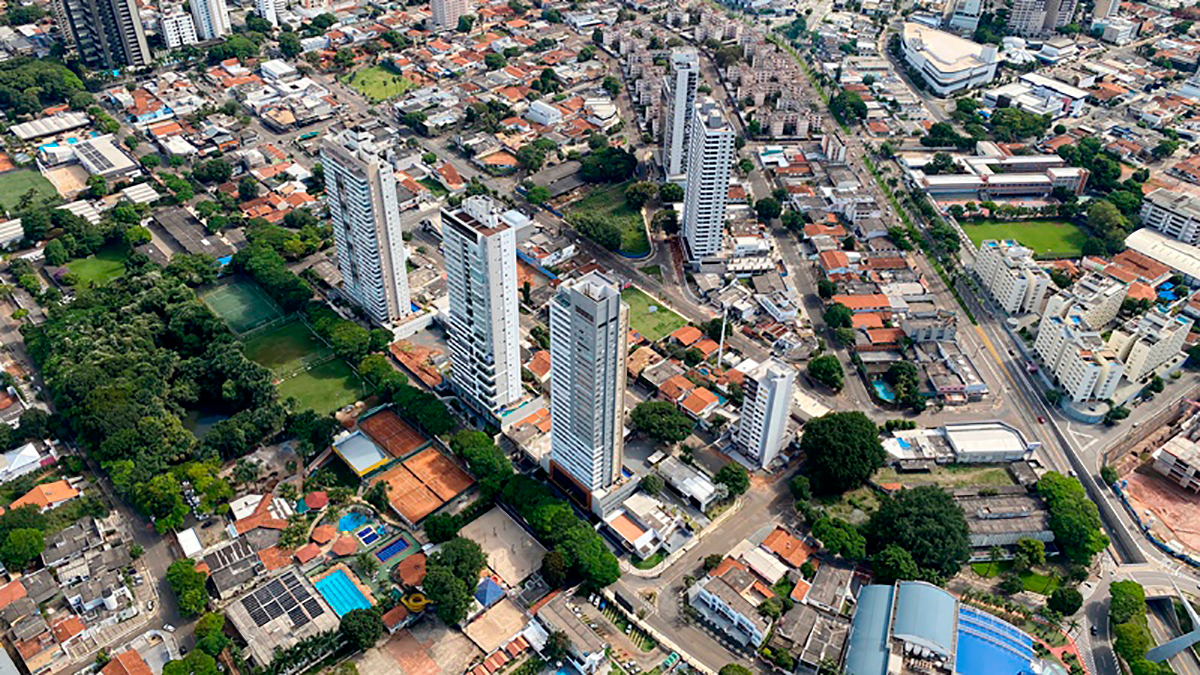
[[169, 628]]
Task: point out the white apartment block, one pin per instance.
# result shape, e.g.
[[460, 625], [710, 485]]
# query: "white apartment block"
[[211, 18], [1144, 343], [1059, 13], [270, 9], [447, 12], [762, 428], [1175, 214], [947, 62], [963, 15], [1027, 17], [679, 106], [1179, 460], [178, 30], [1085, 368], [834, 148], [482, 321], [710, 161], [1096, 297], [364, 210], [589, 327], [1011, 276]]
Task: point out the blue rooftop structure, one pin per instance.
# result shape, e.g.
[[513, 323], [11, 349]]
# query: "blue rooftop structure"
[[916, 620], [867, 646], [488, 593], [925, 617]]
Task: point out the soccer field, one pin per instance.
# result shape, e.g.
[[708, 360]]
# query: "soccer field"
[[1047, 238], [649, 317], [242, 304], [14, 185], [324, 388], [286, 348]]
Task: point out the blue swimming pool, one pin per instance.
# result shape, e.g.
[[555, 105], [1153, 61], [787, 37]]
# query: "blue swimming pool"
[[341, 593], [884, 391], [353, 521], [301, 506], [391, 550], [368, 535]]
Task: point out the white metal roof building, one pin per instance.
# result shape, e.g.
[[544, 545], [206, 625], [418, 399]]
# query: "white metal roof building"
[[47, 126], [947, 62], [1181, 257]]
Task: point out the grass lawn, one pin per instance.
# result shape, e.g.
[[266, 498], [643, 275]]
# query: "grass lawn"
[[1043, 584], [854, 506], [1047, 238], [649, 317], [14, 184], [285, 348], [611, 202], [654, 271], [324, 388], [648, 563], [434, 186], [99, 269], [378, 83], [949, 476]]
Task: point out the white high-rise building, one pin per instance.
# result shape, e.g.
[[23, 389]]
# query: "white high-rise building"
[[589, 325], [1058, 14], [360, 188], [679, 105], [1146, 342], [178, 30], [768, 402], [270, 9], [482, 324], [1009, 272], [1095, 297], [710, 161], [211, 18], [447, 12], [963, 15], [1085, 368], [1027, 17]]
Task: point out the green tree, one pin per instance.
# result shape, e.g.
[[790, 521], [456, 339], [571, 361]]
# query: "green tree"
[[537, 195], [826, 289], [461, 556], [926, 522], [555, 568], [1028, 553], [842, 451], [768, 208], [637, 194], [734, 669], [289, 44], [892, 564], [361, 628], [21, 547], [1127, 601], [449, 594], [247, 189], [652, 484], [210, 633], [1065, 600], [734, 477], [195, 663], [840, 538], [188, 585], [466, 23], [669, 193], [839, 316], [441, 527], [661, 421], [56, 254], [827, 370], [1074, 518]]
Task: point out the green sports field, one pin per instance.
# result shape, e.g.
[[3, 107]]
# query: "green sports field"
[[14, 185], [286, 348], [324, 388], [378, 83], [650, 317], [1047, 238], [99, 269], [242, 304]]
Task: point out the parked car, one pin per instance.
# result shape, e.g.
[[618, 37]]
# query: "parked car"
[[169, 628]]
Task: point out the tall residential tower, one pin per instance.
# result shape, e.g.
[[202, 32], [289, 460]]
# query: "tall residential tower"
[[710, 161], [107, 33], [447, 12], [211, 18], [589, 325], [679, 103], [483, 327], [360, 188], [768, 402]]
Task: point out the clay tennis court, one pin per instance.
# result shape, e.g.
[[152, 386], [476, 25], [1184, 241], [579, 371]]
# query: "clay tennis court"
[[392, 434], [408, 495], [439, 474]]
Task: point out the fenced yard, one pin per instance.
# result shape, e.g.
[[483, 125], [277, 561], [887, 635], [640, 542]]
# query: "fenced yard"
[[286, 349]]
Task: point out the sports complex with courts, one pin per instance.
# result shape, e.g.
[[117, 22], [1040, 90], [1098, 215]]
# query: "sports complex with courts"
[[386, 449]]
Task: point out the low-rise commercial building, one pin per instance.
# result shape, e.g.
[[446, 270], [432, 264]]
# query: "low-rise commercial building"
[[1179, 460], [1147, 342], [1175, 214], [947, 62]]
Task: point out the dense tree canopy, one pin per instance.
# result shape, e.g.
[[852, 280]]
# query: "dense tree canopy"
[[926, 522], [1074, 518], [827, 370], [608, 165], [661, 421], [188, 585], [362, 628], [842, 450]]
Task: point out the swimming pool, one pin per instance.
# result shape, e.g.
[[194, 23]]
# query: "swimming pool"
[[368, 535], [353, 521], [391, 550], [341, 593], [884, 391]]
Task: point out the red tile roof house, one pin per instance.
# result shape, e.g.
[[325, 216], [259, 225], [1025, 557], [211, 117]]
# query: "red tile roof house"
[[686, 336]]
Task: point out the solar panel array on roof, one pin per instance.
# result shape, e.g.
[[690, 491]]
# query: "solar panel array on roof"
[[286, 595], [94, 157]]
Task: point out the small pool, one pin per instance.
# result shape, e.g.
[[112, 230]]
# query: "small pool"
[[392, 550], [341, 593], [368, 535], [903, 443], [353, 521], [301, 507], [884, 391]]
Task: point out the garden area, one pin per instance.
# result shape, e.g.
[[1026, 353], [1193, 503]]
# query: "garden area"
[[649, 317], [14, 185], [1032, 581], [106, 265], [1047, 238], [609, 205], [378, 83]]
